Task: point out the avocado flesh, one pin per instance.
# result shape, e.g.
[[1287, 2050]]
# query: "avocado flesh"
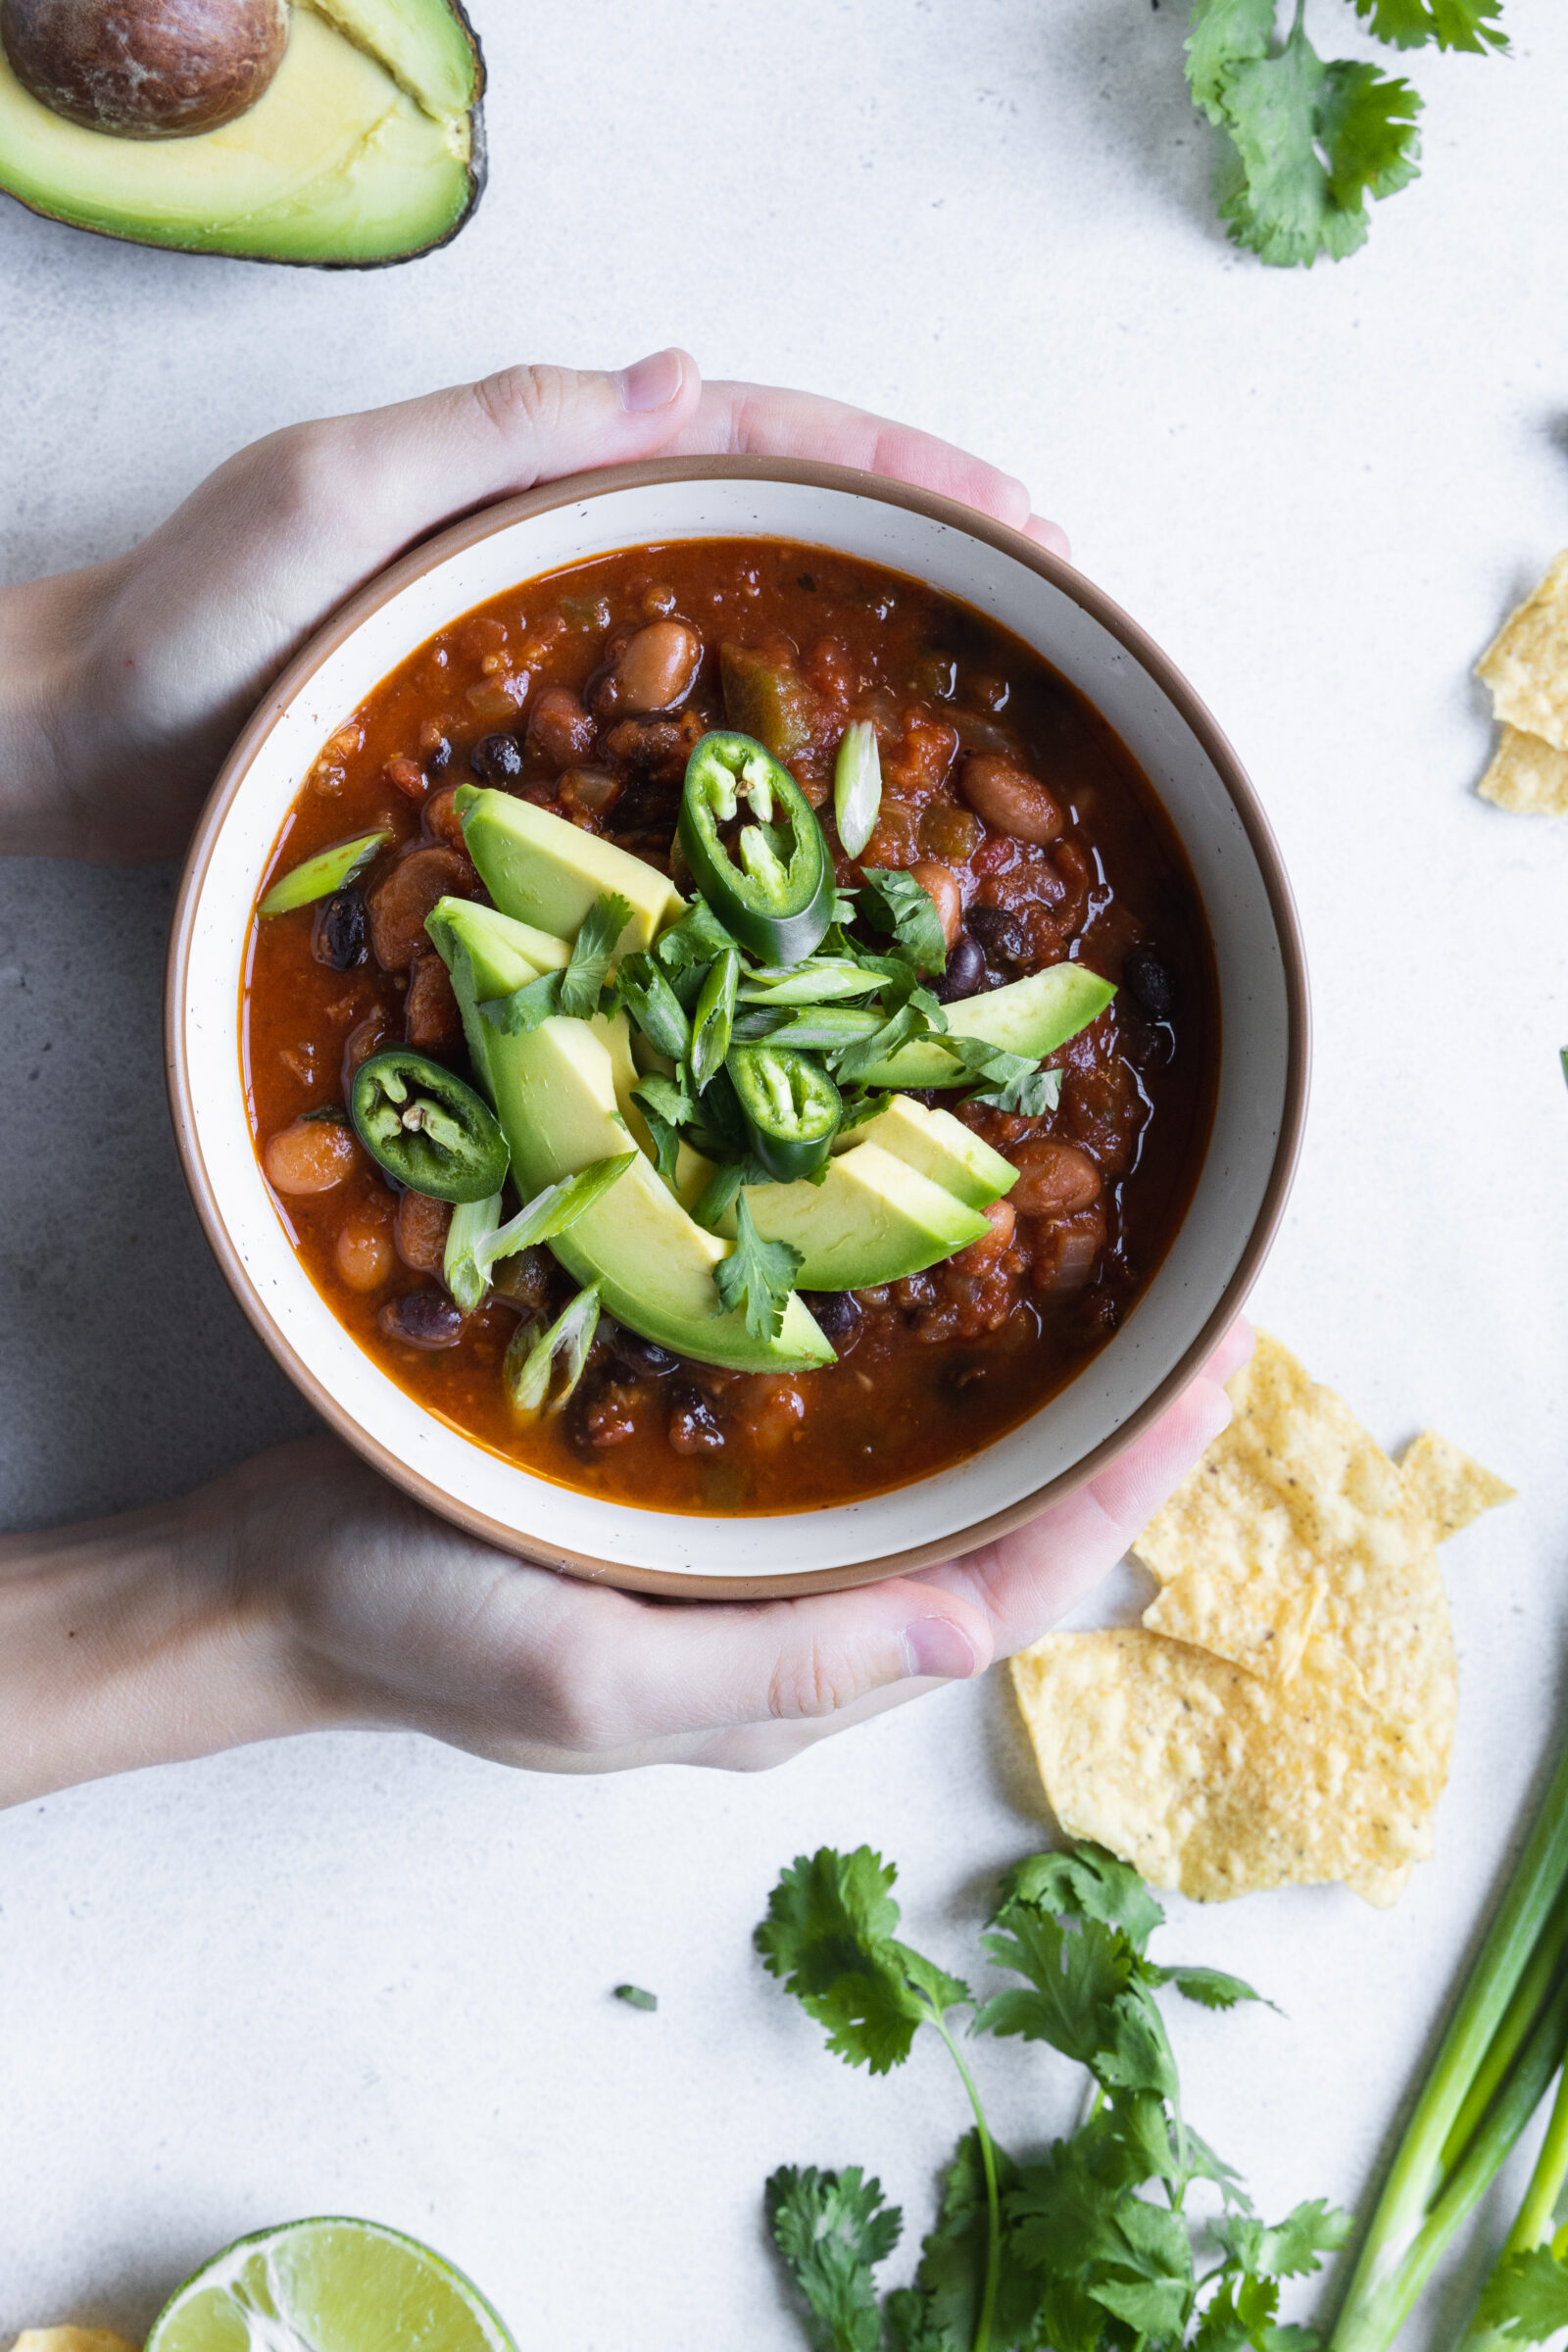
[[873, 1219], [1031, 1017], [940, 1147], [335, 162], [555, 1093], [543, 871]]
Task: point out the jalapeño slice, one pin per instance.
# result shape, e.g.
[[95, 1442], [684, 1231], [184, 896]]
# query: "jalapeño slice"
[[426, 1128], [777, 897], [792, 1106]]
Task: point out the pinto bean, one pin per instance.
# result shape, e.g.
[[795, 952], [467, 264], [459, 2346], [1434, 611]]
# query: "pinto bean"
[[362, 1251], [308, 1157], [1000, 1220], [655, 670], [362, 1042], [430, 1016], [558, 726], [693, 1425], [942, 883], [1102, 1108], [400, 901], [441, 819], [1010, 799], [421, 1231], [1055, 1179]]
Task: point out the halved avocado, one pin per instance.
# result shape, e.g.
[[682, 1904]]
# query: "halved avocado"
[[368, 147]]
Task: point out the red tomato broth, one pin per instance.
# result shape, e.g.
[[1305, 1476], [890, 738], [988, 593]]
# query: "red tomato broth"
[[941, 1364]]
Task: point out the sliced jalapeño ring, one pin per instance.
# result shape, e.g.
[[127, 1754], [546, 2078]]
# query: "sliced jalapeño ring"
[[792, 1106], [775, 892], [427, 1127]]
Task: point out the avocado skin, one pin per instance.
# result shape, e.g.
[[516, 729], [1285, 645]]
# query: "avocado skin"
[[477, 174]]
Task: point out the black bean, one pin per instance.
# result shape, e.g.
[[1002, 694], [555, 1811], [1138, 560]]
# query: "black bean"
[[1154, 984], [693, 1425], [965, 974], [836, 1312], [1000, 933], [339, 935], [438, 759], [497, 759], [422, 1319], [629, 1348]]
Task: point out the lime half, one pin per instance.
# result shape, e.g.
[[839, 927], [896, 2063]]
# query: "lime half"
[[328, 2286]]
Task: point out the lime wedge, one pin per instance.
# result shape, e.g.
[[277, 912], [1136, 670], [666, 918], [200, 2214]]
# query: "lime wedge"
[[328, 2286]]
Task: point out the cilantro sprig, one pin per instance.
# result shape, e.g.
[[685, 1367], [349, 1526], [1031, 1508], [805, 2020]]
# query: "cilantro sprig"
[[1089, 2247], [1312, 138], [757, 1276], [575, 991]]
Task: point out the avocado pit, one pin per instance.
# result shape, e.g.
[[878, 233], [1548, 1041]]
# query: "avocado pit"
[[145, 68]]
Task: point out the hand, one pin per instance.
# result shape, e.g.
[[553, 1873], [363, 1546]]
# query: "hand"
[[300, 1593], [121, 687]]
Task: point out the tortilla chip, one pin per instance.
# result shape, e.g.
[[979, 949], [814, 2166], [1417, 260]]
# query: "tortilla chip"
[[1209, 1780], [72, 2339], [1446, 1486], [1526, 665], [1527, 775], [1294, 1549]]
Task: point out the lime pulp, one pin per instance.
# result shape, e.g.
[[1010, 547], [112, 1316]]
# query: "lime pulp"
[[328, 2286]]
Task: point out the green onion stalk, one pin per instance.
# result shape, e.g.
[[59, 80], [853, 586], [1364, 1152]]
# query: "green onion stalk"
[[1537, 2218], [1505, 2043]]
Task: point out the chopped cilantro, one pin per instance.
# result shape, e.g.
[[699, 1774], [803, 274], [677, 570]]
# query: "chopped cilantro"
[[574, 992], [896, 902], [635, 1999], [832, 2230], [758, 1274]]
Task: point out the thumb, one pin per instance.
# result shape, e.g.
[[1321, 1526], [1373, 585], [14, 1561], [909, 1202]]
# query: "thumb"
[[402, 469]]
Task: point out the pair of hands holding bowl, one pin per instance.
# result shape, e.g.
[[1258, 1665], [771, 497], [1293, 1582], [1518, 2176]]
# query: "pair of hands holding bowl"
[[300, 1592]]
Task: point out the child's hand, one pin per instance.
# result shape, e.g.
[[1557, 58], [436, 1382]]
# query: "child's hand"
[[121, 687]]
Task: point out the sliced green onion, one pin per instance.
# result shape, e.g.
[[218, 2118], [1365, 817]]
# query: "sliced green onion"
[[714, 1017], [549, 1212], [832, 1027], [320, 876], [858, 786], [542, 1368], [472, 1223], [820, 980]]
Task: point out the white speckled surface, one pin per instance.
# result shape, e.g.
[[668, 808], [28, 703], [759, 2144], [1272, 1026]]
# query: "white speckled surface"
[[366, 1974]]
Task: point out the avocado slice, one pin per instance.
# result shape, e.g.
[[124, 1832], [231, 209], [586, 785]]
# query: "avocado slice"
[[873, 1219], [556, 1095], [940, 1147], [368, 147], [1032, 1017], [537, 866]]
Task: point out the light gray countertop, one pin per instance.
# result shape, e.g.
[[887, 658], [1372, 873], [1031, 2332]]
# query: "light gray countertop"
[[364, 1973]]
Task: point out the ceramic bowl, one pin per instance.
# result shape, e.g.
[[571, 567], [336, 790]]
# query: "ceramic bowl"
[[1262, 988]]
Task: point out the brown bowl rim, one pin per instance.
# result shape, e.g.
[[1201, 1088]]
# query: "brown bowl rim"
[[667, 1584]]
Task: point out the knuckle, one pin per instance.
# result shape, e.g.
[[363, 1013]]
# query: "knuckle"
[[530, 395], [811, 1682]]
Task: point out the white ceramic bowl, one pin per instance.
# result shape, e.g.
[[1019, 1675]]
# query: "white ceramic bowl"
[[1262, 991]]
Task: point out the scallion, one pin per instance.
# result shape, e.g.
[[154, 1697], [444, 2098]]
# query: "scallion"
[[474, 1222], [320, 876], [548, 1213], [858, 786], [542, 1368]]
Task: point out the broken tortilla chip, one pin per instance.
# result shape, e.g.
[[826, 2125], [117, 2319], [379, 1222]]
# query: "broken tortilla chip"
[[72, 2339], [1527, 775], [1286, 1711], [1447, 1486], [1526, 664]]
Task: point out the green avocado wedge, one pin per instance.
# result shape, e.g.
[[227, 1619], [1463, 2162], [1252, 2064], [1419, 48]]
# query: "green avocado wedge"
[[940, 1147], [368, 147], [873, 1219], [541, 870], [556, 1095], [1032, 1017]]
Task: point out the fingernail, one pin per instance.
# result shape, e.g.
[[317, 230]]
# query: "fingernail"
[[651, 383], [935, 1645]]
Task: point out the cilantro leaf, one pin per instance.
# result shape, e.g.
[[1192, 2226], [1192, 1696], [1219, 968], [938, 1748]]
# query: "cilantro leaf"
[[589, 968], [832, 2228], [894, 902], [869, 1106], [667, 1106], [1149, 2283], [526, 1007], [940, 2311], [758, 1274], [1288, 2249], [1084, 1998], [1451, 23], [1526, 2298], [1223, 34], [1240, 2314], [1209, 1987], [697, 938], [1312, 141], [1011, 1081], [653, 1006], [830, 1935], [1204, 2163], [1087, 1883]]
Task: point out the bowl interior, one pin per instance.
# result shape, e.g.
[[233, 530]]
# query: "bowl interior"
[[1256, 1110]]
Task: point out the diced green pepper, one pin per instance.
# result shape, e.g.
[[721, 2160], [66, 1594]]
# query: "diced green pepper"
[[426, 1128], [320, 876], [792, 1106], [777, 899], [764, 699]]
